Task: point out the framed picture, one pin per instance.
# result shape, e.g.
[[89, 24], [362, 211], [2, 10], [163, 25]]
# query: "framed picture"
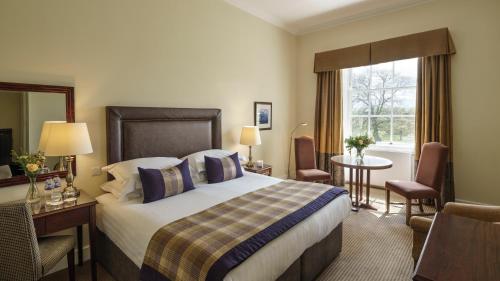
[[263, 115]]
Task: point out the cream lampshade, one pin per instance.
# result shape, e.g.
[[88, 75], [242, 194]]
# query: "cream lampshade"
[[68, 139], [250, 135], [43, 140]]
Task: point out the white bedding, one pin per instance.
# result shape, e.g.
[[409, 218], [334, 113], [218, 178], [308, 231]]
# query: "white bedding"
[[131, 224]]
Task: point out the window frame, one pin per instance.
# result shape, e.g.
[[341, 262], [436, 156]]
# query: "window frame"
[[347, 101]]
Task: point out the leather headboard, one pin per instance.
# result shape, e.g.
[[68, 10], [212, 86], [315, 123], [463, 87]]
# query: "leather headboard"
[[136, 132]]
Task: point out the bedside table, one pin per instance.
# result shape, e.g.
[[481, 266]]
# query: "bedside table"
[[266, 170], [82, 212]]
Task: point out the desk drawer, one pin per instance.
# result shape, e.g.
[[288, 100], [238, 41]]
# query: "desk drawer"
[[66, 219]]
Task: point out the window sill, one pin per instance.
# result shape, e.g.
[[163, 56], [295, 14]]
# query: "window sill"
[[391, 148]]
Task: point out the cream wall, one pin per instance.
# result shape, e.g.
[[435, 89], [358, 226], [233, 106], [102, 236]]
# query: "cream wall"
[[474, 26], [195, 53]]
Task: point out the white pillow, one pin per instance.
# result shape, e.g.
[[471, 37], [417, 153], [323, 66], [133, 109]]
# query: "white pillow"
[[127, 183], [197, 162]]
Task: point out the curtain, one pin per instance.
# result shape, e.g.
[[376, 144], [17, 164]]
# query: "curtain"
[[433, 112], [328, 123]]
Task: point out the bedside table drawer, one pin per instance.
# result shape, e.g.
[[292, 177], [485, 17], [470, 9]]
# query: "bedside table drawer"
[[66, 219]]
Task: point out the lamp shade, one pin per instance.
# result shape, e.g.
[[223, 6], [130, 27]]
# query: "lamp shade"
[[250, 135], [45, 134], [68, 139]]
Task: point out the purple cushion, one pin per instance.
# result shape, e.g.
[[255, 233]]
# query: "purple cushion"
[[223, 169], [159, 184]]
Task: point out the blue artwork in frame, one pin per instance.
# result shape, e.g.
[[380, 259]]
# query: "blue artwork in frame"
[[263, 112]]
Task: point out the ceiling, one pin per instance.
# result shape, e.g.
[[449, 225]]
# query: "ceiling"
[[304, 16]]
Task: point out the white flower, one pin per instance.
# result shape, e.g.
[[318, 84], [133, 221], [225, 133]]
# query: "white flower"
[[360, 142]]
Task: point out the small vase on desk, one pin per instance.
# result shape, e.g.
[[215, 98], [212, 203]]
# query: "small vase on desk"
[[33, 196]]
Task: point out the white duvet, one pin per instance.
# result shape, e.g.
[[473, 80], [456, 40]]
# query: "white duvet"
[[131, 224]]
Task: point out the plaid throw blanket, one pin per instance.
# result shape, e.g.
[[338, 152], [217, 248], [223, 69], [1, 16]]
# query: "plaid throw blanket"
[[207, 245]]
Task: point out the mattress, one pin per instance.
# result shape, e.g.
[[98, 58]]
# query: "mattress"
[[131, 224]]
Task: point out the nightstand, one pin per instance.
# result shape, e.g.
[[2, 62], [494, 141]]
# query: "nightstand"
[[82, 212], [266, 170]]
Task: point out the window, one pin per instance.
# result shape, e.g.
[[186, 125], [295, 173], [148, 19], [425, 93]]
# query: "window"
[[379, 100]]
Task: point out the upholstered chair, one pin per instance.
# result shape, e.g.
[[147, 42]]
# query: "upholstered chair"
[[428, 180], [305, 162], [421, 225], [22, 256]]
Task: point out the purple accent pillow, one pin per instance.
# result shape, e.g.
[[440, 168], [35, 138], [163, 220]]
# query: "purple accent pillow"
[[159, 184], [223, 169]]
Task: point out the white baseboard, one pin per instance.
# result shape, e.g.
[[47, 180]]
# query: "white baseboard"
[[63, 264]]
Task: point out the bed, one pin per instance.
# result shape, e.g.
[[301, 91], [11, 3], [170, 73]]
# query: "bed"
[[125, 228]]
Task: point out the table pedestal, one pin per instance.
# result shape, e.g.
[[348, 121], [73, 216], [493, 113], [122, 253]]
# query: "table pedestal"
[[359, 189]]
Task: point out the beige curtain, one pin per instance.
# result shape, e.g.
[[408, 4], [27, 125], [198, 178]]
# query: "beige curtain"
[[328, 123], [433, 112]]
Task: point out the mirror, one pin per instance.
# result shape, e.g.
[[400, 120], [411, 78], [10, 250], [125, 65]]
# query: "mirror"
[[24, 108]]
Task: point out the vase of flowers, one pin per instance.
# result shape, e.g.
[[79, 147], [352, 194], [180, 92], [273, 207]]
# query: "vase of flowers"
[[360, 143], [32, 164]]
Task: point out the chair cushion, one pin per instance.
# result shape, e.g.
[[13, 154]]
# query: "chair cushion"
[[312, 175], [411, 189], [53, 249]]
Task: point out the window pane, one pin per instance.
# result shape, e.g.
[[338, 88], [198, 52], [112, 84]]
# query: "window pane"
[[360, 78], [405, 101], [381, 102], [360, 102], [405, 72], [382, 75], [359, 126], [381, 129], [404, 129]]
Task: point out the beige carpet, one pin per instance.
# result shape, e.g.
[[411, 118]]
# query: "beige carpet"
[[376, 246]]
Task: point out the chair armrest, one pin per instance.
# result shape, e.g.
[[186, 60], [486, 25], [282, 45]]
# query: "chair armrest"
[[478, 212], [420, 228], [420, 224]]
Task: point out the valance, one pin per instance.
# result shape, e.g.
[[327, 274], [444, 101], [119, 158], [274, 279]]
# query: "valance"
[[423, 44]]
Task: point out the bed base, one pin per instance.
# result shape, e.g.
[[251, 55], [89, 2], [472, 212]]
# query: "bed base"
[[306, 268]]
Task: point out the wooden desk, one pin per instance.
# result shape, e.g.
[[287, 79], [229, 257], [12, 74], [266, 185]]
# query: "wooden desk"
[[459, 248], [83, 212]]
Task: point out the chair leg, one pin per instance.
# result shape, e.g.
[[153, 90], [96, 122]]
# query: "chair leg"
[[438, 204], [387, 200], [71, 264], [420, 205], [408, 211]]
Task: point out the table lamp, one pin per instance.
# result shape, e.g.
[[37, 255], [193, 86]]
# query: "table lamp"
[[250, 135], [68, 139], [43, 141]]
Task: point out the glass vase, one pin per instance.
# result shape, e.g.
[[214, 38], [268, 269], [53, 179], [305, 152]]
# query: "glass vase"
[[360, 154], [33, 196]]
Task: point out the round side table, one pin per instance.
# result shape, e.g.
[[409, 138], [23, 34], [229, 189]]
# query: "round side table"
[[368, 163]]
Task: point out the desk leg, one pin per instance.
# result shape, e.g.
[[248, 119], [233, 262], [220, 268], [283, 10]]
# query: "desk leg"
[[79, 241], [92, 242]]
